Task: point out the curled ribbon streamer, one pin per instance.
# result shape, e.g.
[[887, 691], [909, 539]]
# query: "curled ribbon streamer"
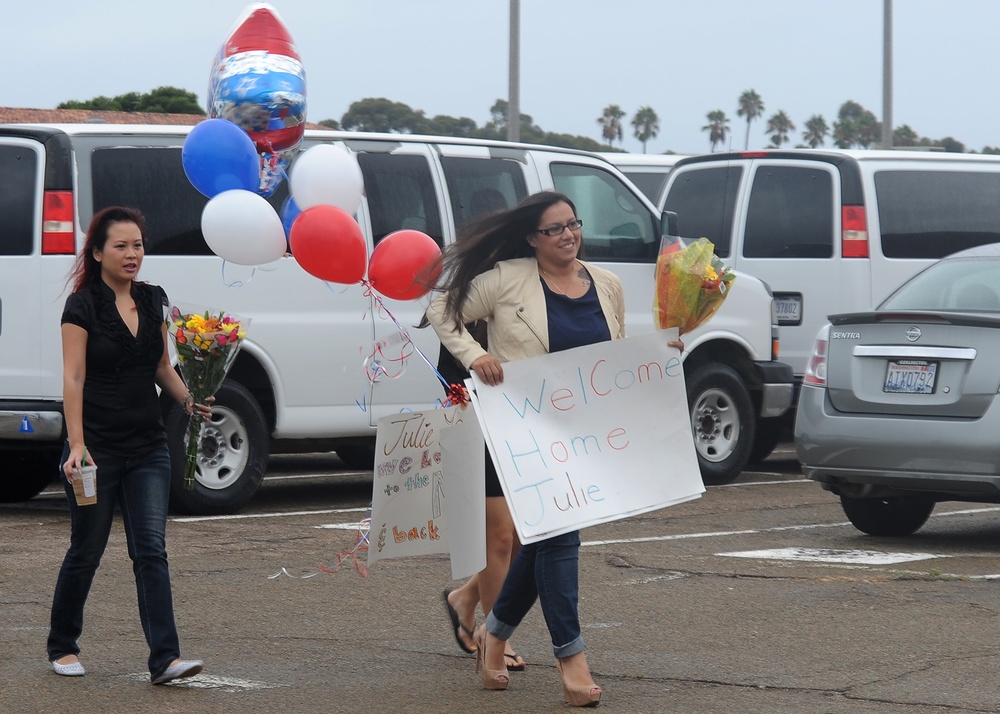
[[284, 571], [370, 292]]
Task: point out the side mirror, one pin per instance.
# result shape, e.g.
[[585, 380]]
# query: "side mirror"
[[668, 224]]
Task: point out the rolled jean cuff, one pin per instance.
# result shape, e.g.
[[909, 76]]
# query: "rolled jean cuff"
[[499, 629], [568, 650]]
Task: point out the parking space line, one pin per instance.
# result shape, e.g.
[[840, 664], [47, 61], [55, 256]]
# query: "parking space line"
[[242, 516]]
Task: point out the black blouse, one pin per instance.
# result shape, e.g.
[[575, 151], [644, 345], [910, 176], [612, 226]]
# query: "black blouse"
[[121, 409]]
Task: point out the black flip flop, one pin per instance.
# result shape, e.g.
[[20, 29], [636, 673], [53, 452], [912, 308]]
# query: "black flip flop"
[[457, 625], [513, 665]]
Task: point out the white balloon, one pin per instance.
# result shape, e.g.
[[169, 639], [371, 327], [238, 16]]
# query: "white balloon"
[[326, 175], [243, 228]]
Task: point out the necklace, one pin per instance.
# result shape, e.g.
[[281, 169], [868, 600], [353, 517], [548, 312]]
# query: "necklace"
[[552, 281]]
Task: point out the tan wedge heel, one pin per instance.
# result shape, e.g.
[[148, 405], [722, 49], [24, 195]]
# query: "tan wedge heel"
[[492, 678]]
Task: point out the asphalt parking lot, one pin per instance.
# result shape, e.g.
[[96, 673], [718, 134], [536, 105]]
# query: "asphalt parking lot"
[[757, 597]]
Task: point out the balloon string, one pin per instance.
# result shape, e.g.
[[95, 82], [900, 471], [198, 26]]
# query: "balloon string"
[[370, 292]]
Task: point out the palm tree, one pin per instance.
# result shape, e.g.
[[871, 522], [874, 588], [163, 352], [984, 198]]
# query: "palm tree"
[[717, 127], [778, 127], [816, 131], [751, 107], [646, 125], [611, 123]]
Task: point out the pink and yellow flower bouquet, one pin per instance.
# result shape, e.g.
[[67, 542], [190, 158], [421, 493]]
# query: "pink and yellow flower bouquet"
[[691, 284], [207, 343]]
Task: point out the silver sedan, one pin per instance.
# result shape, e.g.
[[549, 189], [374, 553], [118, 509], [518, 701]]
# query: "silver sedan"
[[898, 408]]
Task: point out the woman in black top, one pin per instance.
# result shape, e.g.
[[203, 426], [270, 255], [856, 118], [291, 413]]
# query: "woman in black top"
[[114, 355]]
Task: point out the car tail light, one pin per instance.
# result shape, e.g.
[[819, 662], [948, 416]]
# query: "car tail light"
[[58, 234], [816, 367], [854, 235]]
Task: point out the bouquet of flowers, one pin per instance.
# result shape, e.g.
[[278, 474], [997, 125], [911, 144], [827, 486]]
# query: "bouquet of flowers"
[[206, 344], [691, 283]]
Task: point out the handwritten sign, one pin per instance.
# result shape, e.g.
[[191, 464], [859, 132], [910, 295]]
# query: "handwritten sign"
[[591, 435], [412, 486]]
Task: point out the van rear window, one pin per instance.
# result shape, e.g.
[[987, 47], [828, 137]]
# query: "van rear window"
[[930, 214], [152, 179], [18, 178], [704, 201]]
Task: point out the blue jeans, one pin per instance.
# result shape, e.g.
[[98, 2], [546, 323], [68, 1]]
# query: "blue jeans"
[[141, 487], [548, 571]]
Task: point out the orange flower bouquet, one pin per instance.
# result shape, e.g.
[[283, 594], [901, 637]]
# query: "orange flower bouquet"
[[691, 284], [206, 343]]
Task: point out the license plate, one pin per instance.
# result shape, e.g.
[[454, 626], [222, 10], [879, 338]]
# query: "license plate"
[[789, 309], [911, 376]]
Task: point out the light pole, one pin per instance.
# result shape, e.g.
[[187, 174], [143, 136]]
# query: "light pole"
[[514, 79], [886, 74]]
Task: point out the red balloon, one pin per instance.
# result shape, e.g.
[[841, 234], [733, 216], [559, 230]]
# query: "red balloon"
[[327, 243], [404, 265]]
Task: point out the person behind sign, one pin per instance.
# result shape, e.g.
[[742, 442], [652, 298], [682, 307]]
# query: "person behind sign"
[[114, 343], [501, 536], [520, 270]]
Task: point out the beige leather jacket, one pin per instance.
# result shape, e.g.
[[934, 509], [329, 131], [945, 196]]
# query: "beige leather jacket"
[[511, 298]]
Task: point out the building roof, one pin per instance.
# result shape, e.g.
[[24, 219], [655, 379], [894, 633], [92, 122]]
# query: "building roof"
[[18, 115]]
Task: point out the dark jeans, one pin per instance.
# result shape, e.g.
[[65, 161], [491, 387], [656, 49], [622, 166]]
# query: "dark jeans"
[[141, 487], [548, 571]]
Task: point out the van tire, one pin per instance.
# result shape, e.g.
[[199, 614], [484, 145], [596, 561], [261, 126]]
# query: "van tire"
[[232, 458], [27, 473], [722, 422], [892, 517]]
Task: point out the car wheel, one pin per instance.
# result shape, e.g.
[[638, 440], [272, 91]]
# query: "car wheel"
[[232, 456], [357, 456], [722, 422], [897, 516], [769, 433], [27, 473]]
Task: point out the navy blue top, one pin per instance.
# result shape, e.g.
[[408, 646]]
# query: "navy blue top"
[[121, 410], [574, 322]]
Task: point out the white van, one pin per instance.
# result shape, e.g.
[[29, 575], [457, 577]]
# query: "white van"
[[834, 231], [301, 383], [647, 171]]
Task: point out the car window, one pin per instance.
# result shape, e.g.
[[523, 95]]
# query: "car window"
[[971, 284], [649, 183], [18, 179], [790, 213], [400, 194], [704, 200], [477, 187], [152, 179], [617, 226], [930, 214]]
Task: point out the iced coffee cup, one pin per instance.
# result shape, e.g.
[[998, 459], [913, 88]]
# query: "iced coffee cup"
[[85, 485]]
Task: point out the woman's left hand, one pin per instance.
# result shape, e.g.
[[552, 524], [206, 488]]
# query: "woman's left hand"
[[678, 344], [202, 410]]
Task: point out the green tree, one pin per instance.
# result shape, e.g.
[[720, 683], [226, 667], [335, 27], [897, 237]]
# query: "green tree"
[[717, 128], [816, 131], [646, 124], [855, 126], [904, 136], [611, 124], [950, 144], [751, 106], [167, 100], [778, 126], [330, 123], [444, 125], [381, 115]]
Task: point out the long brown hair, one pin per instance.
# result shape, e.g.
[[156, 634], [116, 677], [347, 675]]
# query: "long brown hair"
[[86, 270], [489, 240]]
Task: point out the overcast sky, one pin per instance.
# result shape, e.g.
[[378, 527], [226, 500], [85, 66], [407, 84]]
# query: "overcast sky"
[[684, 58]]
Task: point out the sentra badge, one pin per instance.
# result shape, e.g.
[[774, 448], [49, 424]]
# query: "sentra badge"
[[845, 335]]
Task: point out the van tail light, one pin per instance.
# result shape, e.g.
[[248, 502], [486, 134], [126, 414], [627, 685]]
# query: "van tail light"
[[816, 366], [854, 226], [58, 231], [775, 341]]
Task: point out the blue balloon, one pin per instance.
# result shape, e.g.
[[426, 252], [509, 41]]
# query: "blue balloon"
[[219, 156], [289, 212]]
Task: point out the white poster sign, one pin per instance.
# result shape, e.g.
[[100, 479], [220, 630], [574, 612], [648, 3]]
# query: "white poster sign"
[[591, 435], [411, 488]]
